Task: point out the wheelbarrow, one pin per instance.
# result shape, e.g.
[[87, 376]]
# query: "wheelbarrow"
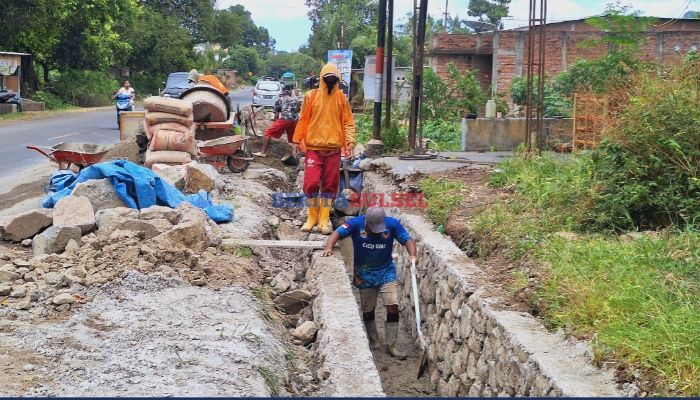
[[227, 151], [79, 154]]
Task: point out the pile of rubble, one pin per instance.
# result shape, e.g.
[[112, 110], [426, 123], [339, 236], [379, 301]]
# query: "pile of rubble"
[[90, 238], [179, 242]]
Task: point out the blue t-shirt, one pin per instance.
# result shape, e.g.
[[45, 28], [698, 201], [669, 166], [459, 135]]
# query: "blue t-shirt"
[[372, 254]]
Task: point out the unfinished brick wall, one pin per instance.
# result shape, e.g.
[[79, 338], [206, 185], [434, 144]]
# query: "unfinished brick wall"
[[666, 44]]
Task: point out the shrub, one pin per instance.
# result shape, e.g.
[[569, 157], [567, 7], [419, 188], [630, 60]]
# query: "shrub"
[[446, 134], [85, 88], [453, 98], [598, 75], [51, 101], [556, 103], [147, 85], [647, 171]]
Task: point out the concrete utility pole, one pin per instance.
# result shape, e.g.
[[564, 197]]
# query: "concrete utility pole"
[[341, 42], [375, 145], [389, 61]]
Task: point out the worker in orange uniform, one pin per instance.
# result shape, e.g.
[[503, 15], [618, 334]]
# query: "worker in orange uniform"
[[211, 80], [325, 132]]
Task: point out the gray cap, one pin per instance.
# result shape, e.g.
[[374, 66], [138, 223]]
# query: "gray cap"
[[374, 218]]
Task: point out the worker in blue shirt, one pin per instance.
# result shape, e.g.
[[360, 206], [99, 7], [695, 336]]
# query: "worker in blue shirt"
[[373, 236]]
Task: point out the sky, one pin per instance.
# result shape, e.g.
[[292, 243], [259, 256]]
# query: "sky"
[[288, 24]]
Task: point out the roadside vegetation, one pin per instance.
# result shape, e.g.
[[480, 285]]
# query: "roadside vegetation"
[[82, 51], [606, 242]]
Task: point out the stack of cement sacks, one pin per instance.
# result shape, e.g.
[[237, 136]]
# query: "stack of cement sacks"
[[170, 130]]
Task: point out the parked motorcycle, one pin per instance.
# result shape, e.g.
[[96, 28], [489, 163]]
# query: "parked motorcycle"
[[123, 104]]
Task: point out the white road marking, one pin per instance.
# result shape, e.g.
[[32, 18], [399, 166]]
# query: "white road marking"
[[64, 136]]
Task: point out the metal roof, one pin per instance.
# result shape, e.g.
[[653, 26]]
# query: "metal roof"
[[10, 53]]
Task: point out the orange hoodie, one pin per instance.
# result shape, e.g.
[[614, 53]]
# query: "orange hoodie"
[[326, 120], [214, 81]]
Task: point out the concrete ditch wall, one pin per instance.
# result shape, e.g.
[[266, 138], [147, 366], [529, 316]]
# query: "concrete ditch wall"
[[346, 367], [475, 349]]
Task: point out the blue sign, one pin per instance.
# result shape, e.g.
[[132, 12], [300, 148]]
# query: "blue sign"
[[343, 60]]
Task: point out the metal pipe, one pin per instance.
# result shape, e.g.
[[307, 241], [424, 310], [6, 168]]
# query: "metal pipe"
[[381, 35], [389, 61]]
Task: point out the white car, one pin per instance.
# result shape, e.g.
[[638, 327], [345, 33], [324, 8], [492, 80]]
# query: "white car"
[[266, 93]]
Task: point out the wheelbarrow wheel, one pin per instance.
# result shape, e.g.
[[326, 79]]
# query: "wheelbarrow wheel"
[[237, 164]]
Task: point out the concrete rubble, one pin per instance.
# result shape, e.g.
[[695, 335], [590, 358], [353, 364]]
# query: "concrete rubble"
[[74, 211], [25, 225], [201, 177], [100, 192], [54, 239]]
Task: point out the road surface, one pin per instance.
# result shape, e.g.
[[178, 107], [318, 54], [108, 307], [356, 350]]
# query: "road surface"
[[85, 126]]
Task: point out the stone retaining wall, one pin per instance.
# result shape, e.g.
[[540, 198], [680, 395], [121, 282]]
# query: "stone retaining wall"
[[346, 367], [475, 349]]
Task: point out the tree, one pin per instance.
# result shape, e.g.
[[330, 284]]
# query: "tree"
[[159, 44], [244, 60], [228, 28], [623, 28], [253, 36], [491, 11], [197, 16], [30, 27], [64, 34], [359, 18], [299, 64]]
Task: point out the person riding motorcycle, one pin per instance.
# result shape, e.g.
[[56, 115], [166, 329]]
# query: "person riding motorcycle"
[[125, 100]]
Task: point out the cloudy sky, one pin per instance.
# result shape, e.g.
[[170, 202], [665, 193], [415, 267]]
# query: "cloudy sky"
[[287, 22]]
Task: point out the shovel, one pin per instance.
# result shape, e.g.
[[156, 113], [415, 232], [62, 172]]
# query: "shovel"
[[348, 183], [423, 363]]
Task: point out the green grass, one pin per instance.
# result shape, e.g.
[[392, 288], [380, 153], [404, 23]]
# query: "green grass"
[[271, 379], [443, 196], [238, 251], [292, 359], [263, 296], [638, 302]]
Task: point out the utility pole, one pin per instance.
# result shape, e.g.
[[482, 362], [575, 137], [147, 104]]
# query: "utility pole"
[[341, 42], [375, 145], [446, 14], [417, 87], [389, 61]]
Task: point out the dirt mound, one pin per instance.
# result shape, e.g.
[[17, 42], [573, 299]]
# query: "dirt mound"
[[127, 150]]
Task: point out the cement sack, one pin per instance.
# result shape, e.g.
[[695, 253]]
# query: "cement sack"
[[167, 157], [175, 141], [169, 126], [153, 118], [168, 105]]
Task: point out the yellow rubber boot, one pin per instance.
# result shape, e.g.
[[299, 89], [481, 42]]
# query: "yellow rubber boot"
[[312, 217], [324, 218]]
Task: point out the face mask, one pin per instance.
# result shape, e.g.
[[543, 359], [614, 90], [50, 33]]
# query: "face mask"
[[330, 80]]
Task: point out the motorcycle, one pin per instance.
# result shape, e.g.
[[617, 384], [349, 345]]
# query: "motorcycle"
[[123, 104]]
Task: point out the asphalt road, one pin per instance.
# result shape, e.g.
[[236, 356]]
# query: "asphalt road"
[[85, 126]]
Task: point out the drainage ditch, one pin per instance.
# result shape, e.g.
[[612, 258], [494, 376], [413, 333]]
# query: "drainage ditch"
[[475, 348]]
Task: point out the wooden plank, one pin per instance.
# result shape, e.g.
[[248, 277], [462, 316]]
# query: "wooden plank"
[[288, 244]]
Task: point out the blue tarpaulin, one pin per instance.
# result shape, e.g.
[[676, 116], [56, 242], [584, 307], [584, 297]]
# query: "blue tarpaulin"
[[137, 186]]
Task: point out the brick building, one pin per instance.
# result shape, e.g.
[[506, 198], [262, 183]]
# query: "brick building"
[[502, 55]]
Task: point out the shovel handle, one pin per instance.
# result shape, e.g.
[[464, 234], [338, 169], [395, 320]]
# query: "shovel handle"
[[416, 304]]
